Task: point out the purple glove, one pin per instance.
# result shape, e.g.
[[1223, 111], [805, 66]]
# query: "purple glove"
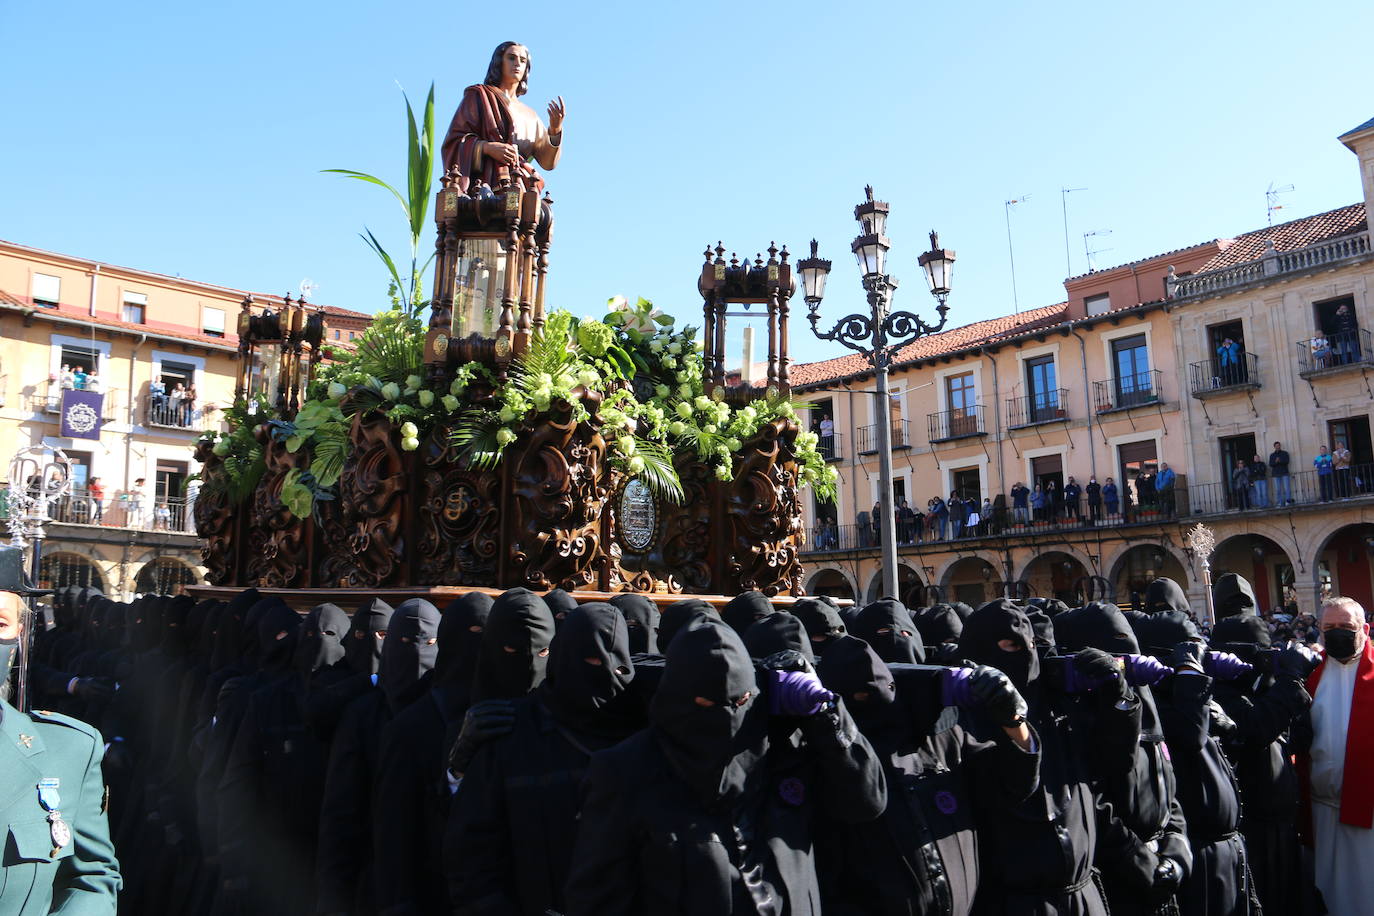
[[956, 687], [1144, 670], [1225, 666], [797, 693]]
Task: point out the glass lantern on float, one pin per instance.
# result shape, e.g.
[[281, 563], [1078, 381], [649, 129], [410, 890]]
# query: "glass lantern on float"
[[491, 260], [724, 285], [274, 366]]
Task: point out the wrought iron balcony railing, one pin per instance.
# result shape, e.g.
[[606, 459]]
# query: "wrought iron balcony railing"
[[1212, 376], [956, 424], [1040, 407], [1126, 391]]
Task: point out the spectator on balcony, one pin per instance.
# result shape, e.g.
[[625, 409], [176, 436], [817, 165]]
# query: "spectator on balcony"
[[96, 491], [1054, 501], [958, 514], [162, 517], [939, 511], [904, 518], [157, 391], [68, 378], [1321, 351], [1340, 462], [1347, 335], [175, 400], [188, 407], [827, 436], [1164, 488], [1240, 485], [971, 518], [93, 381], [1094, 491], [79, 378], [1325, 472], [193, 491], [1072, 494], [1145, 489], [136, 496], [987, 514], [1111, 497], [1038, 502], [1259, 486], [1282, 492], [1228, 361], [1020, 503], [877, 523]]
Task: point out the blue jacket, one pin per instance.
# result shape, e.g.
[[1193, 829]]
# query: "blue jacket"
[[1164, 479]]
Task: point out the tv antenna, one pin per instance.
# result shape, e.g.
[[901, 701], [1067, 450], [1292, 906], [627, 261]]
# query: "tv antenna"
[[1064, 200], [308, 287], [1088, 251], [1271, 199], [1011, 253]]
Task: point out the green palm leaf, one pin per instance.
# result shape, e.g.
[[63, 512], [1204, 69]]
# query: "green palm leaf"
[[659, 475]]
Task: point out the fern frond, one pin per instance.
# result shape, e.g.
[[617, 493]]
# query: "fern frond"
[[474, 437], [659, 475]]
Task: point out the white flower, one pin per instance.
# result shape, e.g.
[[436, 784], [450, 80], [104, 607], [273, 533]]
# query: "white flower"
[[684, 410], [507, 413], [669, 363], [617, 304], [413, 382], [336, 390], [391, 391], [588, 378], [504, 437], [426, 398], [732, 444], [684, 390], [450, 403], [410, 444], [677, 427], [675, 348], [702, 402], [662, 391], [636, 465], [625, 445], [457, 386], [409, 430], [722, 472], [656, 345], [709, 429]]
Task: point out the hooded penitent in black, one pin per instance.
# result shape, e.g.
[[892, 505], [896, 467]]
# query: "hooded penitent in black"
[[777, 633], [678, 616], [499, 854], [515, 646], [940, 627], [1164, 594], [822, 621], [560, 604], [322, 639], [363, 644], [1143, 794], [1231, 595], [1219, 882], [705, 768], [886, 626], [1038, 856], [642, 617], [412, 648], [741, 611], [411, 795]]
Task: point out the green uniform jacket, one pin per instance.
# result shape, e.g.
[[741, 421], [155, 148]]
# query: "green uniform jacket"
[[82, 878]]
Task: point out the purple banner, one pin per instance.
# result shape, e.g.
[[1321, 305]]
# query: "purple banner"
[[82, 413]]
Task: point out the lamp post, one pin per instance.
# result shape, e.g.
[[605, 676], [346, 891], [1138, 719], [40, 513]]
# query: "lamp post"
[[879, 335]]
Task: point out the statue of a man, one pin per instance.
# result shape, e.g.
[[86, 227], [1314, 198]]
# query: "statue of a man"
[[495, 135]]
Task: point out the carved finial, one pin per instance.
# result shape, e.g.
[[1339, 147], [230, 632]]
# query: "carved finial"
[[934, 240], [758, 260], [772, 251], [287, 302], [734, 260], [708, 252], [720, 253], [784, 254], [814, 249], [868, 192]]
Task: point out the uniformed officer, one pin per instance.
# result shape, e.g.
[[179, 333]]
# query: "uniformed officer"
[[57, 855]]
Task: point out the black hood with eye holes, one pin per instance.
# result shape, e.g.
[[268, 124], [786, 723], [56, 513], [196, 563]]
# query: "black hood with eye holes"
[[1159, 633], [852, 669], [409, 652], [993, 622], [1232, 595], [717, 748], [821, 620], [322, 638], [886, 626], [560, 604], [229, 635], [642, 618], [778, 633], [278, 630], [1241, 629], [362, 646], [464, 620], [741, 611], [678, 616], [1096, 625], [1164, 594], [939, 623], [519, 621], [583, 696]]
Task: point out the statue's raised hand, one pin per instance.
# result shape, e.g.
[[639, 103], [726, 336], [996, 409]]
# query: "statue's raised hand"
[[557, 110]]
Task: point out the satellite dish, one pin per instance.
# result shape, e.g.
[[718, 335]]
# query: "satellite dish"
[[308, 287]]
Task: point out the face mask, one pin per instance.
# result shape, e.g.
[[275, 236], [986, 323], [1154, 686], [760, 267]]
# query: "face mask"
[[9, 648], [1340, 644]]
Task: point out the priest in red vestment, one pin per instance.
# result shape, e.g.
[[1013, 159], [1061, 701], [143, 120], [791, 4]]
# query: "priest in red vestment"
[[494, 135], [1337, 766]]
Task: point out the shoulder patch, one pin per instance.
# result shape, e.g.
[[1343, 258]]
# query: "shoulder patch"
[[57, 718]]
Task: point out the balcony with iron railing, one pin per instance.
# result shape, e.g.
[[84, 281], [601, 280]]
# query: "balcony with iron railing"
[[1211, 377], [868, 437], [830, 447], [1273, 264], [1127, 391], [48, 400], [956, 424], [1328, 354], [121, 509], [166, 413], [1041, 407]]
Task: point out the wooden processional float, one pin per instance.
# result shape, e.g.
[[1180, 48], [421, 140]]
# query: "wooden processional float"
[[552, 512]]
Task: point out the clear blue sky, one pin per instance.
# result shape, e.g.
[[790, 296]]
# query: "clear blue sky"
[[188, 138]]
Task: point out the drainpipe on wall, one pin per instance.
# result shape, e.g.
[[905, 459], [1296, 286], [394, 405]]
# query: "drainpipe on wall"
[[129, 436], [95, 282], [997, 422], [1087, 398]]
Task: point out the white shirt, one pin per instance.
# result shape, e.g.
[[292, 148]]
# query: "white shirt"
[[1330, 722]]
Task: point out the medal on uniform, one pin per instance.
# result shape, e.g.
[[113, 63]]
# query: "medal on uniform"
[[59, 829]]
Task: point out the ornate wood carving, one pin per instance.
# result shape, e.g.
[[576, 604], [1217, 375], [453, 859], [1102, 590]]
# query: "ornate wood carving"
[[278, 552], [214, 518], [558, 490], [370, 526], [459, 522], [763, 515]]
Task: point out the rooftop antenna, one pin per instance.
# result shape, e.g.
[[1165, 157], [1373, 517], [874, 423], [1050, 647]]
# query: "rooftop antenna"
[[1064, 199], [1089, 252], [1011, 253], [1271, 199]]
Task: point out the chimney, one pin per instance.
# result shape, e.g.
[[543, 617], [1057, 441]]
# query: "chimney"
[[1361, 142], [746, 371]]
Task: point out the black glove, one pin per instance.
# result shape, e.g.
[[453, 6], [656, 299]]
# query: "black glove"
[[484, 721], [1188, 655], [1222, 725], [1097, 667], [1296, 663], [995, 696], [1167, 878], [92, 689], [787, 660]]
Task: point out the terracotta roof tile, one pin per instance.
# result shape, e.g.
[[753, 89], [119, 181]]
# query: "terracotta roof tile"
[[1298, 233], [9, 300], [952, 341]]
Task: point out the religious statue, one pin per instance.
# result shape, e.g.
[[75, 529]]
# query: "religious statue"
[[494, 135]]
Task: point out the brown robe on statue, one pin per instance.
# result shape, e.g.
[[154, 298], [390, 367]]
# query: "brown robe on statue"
[[483, 115]]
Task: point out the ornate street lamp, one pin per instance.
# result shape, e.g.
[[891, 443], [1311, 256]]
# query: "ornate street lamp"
[[879, 334]]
